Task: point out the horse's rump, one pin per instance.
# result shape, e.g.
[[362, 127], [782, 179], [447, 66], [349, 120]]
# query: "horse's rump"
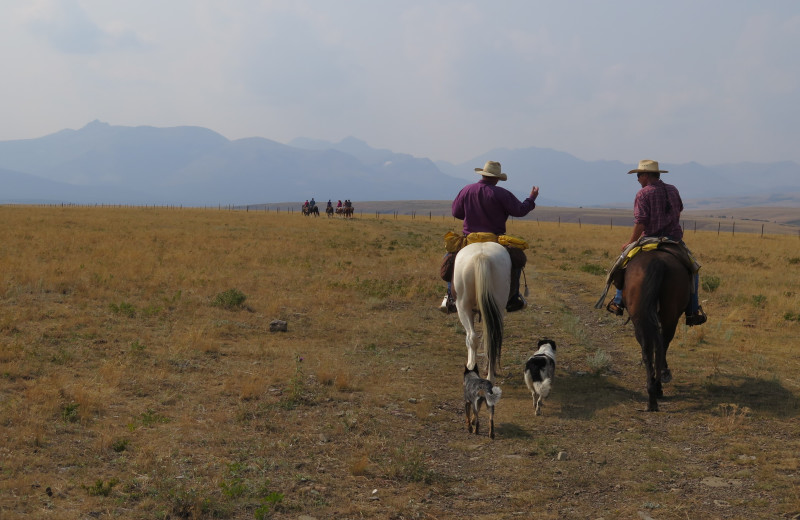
[[481, 281]]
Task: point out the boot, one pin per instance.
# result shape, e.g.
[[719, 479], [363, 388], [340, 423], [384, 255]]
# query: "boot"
[[448, 305], [515, 301], [614, 308]]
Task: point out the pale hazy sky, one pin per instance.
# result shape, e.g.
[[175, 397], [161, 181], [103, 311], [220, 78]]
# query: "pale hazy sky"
[[710, 81]]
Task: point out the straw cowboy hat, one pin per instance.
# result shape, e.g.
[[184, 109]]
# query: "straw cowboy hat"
[[648, 166], [492, 169]]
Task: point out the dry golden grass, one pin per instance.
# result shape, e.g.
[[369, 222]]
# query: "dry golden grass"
[[127, 390]]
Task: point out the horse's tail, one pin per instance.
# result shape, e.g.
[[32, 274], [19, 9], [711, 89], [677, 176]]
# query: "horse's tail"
[[649, 307], [491, 314]]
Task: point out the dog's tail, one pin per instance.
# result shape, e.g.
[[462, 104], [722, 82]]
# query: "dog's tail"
[[544, 387], [493, 395]]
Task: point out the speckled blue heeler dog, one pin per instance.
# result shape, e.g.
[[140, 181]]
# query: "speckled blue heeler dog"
[[476, 392]]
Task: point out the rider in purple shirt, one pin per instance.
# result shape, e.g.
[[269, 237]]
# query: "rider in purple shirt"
[[485, 207]]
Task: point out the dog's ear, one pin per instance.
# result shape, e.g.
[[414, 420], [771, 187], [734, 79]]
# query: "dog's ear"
[[466, 370], [543, 341]]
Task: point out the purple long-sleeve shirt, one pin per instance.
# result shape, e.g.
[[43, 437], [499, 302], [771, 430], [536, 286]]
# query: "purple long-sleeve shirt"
[[485, 207]]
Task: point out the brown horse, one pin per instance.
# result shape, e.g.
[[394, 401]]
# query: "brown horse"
[[656, 292]]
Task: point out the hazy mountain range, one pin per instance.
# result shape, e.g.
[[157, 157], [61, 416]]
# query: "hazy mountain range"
[[193, 166]]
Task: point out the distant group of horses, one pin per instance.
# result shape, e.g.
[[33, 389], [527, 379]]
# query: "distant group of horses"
[[656, 292], [310, 210], [330, 211], [342, 211]]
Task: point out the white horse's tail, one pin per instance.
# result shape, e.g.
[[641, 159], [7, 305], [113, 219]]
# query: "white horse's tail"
[[491, 313]]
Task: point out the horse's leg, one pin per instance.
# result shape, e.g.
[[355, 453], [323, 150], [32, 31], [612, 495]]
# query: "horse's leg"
[[647, 359], [669, 322], [472, 337], [665, 375], [491, 422], [660, 368]]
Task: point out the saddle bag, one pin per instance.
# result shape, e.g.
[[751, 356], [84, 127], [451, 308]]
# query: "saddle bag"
[[448, 265]]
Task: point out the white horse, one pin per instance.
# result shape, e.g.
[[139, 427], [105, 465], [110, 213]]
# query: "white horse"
[[481, 280]]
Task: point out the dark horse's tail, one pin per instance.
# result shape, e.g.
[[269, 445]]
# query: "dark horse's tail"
[[649, 323], [491, 313]]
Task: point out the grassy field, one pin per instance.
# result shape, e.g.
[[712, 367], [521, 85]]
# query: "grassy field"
[[139, 377]]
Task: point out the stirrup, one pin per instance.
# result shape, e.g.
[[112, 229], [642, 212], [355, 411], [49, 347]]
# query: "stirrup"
[[615, 309], [696, 319], [517, 303]]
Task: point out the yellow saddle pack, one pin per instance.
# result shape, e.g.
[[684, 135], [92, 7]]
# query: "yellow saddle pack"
[[454, 242]]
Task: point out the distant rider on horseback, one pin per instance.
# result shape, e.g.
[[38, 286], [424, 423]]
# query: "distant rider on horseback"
[[484, 207], [656, 213]]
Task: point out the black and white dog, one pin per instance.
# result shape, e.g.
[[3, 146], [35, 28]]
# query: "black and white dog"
[[539, 371], [476, 392]]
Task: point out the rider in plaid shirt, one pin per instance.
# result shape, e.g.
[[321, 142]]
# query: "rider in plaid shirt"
[[657, 213]]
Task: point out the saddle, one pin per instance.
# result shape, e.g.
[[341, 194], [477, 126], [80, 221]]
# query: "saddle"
[[455, 242], [616, 274]]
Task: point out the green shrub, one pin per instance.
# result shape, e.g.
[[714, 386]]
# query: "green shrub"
[[710, 283], [120, 445], [70, 412], [599, 362], [593, 269], [230, 299], [269, 503], [124, 309], [150, 418], [100, 488]]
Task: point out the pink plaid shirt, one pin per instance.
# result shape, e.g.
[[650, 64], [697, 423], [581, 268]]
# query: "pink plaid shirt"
[[650, 209]]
